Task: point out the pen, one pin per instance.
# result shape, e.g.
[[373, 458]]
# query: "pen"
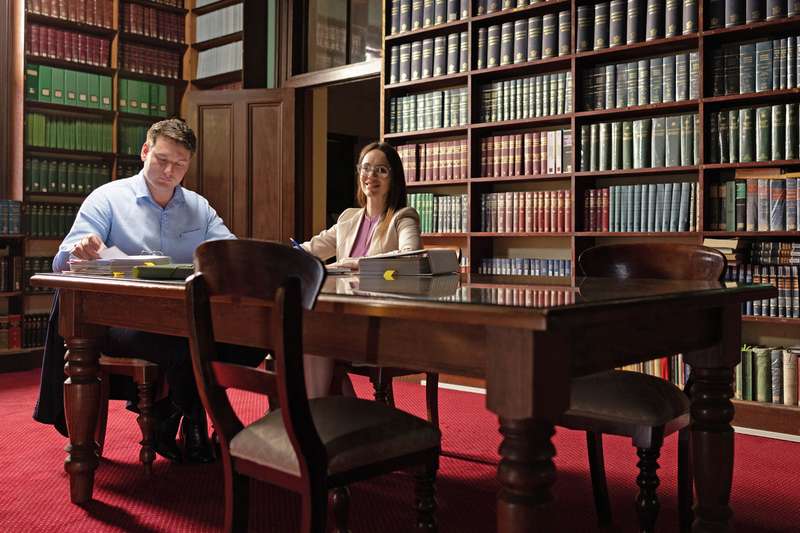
[[295, 244]]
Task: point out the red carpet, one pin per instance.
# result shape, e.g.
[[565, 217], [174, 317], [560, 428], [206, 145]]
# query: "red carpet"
[[34, 491]]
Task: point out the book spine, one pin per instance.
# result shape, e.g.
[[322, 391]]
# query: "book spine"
[[585, 37], [601, 25]]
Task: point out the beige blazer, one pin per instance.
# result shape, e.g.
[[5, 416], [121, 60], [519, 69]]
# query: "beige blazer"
[[402, 234]]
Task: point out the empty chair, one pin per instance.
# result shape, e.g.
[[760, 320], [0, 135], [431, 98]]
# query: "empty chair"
[[307, 446]]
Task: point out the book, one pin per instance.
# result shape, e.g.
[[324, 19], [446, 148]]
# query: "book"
[[163, 271], [412, 263], [431, 286]]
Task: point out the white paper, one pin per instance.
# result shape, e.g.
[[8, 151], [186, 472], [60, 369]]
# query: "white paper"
[[112, 253]]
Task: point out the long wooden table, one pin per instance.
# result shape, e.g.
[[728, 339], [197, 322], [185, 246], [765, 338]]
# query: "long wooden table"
[[527, 356]]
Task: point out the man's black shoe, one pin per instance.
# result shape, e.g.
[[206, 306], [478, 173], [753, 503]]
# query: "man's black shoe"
[[197, 448], [168, 419]]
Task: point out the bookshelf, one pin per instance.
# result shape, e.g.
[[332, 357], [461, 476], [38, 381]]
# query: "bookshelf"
[[559, 43]]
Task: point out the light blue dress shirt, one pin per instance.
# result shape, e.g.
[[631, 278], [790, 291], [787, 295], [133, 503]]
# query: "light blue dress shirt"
[[124, 214]]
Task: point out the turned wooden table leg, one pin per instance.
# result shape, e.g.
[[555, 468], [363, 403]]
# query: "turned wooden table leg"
[[81, 404], [526, 473]]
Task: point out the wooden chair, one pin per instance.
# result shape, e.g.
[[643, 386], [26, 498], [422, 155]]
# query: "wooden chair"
[[633, 404], [147, 377], [308, 446]]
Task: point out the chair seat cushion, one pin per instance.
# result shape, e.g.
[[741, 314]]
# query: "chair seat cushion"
[[355, 433], [627, 397]]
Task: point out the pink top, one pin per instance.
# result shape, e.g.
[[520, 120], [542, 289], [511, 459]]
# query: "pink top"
[[364, 236]]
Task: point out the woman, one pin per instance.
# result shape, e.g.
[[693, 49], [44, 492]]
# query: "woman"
[[383, 223]]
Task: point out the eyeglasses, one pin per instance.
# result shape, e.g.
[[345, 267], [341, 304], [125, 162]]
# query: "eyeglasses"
[[365, 168]]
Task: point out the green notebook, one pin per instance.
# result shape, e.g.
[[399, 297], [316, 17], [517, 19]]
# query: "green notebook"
[[167, 271]]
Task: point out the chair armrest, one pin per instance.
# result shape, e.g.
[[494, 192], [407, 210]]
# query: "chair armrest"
[[233, 376]]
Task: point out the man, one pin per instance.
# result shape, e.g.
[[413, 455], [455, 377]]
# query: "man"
[[149, 212]]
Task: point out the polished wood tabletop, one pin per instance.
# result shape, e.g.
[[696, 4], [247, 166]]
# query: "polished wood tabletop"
[[526, 341]]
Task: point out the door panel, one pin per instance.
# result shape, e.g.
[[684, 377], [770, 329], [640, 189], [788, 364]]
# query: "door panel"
[[245, 160]]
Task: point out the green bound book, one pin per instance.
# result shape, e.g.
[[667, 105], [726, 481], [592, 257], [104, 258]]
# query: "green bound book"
[[32, 82], [747, 373], [763, 375], [763, 133], [45, 83], [105, 92], [627, 144], [687, 140], [133, 96], [673, 144], [94, 91], [659, 139], [154, 110], [778, 135], [71, 87], [163, 108], [83, 89], [61, 177], [144, 97], [36, 165], [58, 96], [733, 135], [123, 96]]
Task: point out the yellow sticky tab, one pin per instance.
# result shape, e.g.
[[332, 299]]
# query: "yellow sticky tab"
[[118, 274], [388, 275], [149, 264]]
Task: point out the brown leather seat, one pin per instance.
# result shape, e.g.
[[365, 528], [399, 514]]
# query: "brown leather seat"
[[305, 446], [633, 404]]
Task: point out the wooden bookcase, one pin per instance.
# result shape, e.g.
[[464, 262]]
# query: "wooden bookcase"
[[477, 244]]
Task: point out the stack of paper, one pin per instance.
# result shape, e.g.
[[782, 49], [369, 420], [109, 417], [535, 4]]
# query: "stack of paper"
[[113, 262]]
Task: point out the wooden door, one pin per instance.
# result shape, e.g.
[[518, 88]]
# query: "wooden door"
[[245, 158]]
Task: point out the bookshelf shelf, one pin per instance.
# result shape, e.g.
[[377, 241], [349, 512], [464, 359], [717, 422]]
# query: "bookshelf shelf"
[[71, 25], [541, 234], [11, 236], [658, 171], [437, 183], [60, 109], [151, 41], [16, 351], [629, 234], [68, 154], [782, 95], [551, 64], [751, 234], [218, 41], [214, 7], [444, 235], [767, 416], [490, 281], [753, 30], [427, 32], [129, 74], [637, 111], [433, 82], [638, 50], [72, 65], [219, 79], [70, 195], [11, 294], [506, 15], [531, 177], [158, 5], [752, 164], [436, 132], [772, 320], [553, 120], [138, 117]]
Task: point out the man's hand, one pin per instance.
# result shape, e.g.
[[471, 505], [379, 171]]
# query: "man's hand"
[[88, 247]]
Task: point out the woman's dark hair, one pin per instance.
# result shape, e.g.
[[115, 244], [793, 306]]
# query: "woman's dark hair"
[[396, 199]]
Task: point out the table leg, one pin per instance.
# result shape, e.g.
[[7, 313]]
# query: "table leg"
[[526, 472], [81, 404]]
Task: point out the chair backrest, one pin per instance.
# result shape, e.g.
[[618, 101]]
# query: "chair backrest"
[[287, 281], [653, 261]]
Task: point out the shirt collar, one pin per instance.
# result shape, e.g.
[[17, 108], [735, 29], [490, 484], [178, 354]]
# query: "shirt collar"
[[141, 190]]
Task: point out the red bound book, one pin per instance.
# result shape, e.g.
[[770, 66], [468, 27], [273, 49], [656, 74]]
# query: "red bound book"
[[51, 34], [60, 45], [490, 142], [504, 154], [587, 210], [552, 211], [509, 212], [518, 154], [32, 40], [433, 161], [91, 12], [449, 158], [80, 56], [521, 211], [454, 159], [72, 10], [126, 18], [462, 159], [543, 163], [444, 150], [33, 6], [593, 211], [69, 46], [562, 225], [536, 146], [604, 203], [527, 154], [422, 165], [152, 17], [567, 210], [62, 9], [108, 13], [542, 215], [528, 227]]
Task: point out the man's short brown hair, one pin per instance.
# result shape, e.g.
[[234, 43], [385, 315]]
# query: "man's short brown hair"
[[174, 129]]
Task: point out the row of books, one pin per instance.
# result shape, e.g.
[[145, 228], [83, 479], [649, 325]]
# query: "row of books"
[[525, 266], [670, 78], [10, 332], [92, 12], [785, 278], [131, 137], [67, 45], [487, 7], [755, 66], [775, 253], [754, 204], [520, 296], [422, 111], [644, 207], [34, 329], [49, 220], [143, 98], [526, 211], [667, 141], [732, 13], [429, 57], [59, 176], [10, 217], [154, 22], [768, 374], [531, 153], [672, 369], [766, 133], [219, 23], [434, 161], [10, 272], [441, 213], [126, 170], [619, 22], [408, 15], [149, 60], [50, 131], [34, 265], [68, 87], [219, 60], [524, 40], [533, 96]]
